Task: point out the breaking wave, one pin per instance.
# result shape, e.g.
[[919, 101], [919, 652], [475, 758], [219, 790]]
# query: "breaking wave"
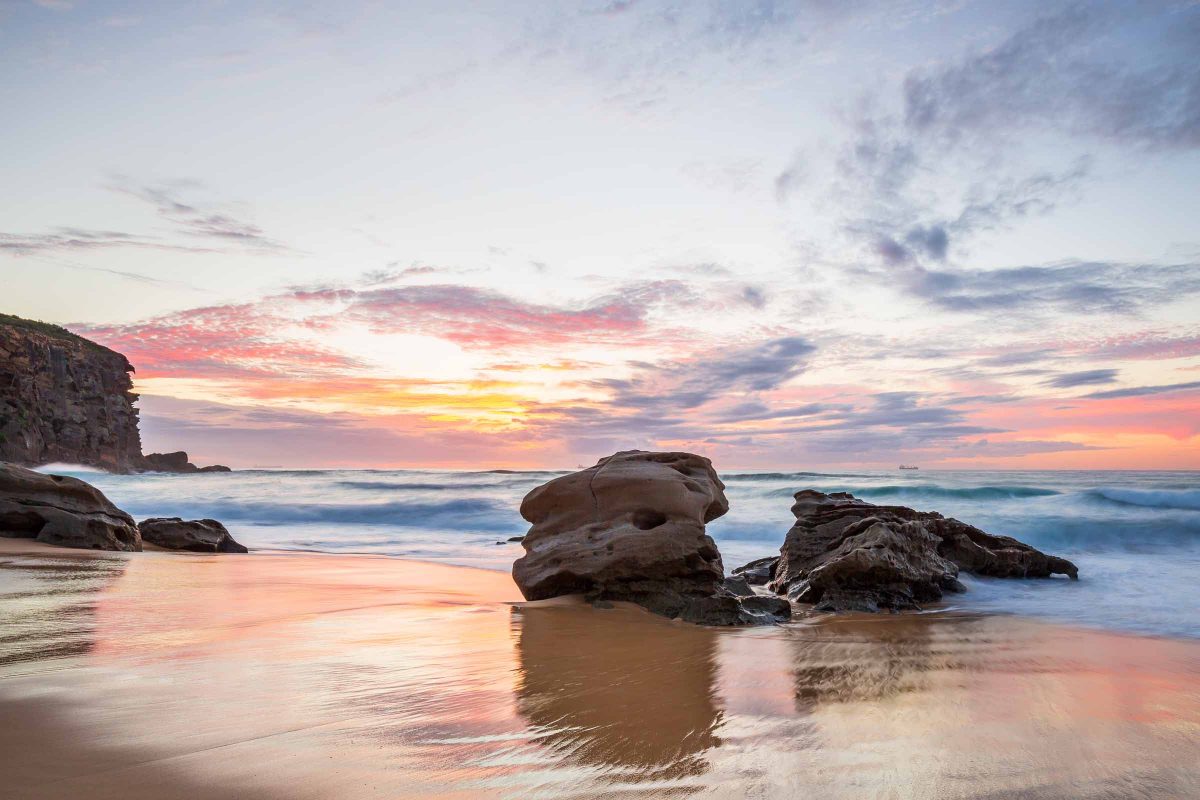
[[459, 514], [1178, 499]]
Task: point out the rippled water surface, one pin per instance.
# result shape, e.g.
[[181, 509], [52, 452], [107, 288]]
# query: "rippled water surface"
[[1134, 535]]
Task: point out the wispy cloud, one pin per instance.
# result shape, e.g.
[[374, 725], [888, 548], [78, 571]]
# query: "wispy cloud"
[[675, 386], [1143, 391], [1088, 377], [1076, 287], [191, 218], [71, 239], [484, 319]]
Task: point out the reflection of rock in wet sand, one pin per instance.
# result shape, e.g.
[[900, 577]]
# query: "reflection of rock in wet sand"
[[51, 605], [618, 690], [854, 660]]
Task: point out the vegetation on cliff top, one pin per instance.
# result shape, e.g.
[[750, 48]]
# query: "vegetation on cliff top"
[[54, 332]]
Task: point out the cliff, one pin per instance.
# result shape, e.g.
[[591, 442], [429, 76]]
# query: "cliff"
[[65, 398]]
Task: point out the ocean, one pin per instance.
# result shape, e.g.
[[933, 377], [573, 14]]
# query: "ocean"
[[1134, 535]]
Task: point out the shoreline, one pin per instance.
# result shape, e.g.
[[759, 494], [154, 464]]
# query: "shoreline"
[[947, 609]]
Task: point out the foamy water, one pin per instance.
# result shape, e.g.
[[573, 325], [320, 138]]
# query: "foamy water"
[[1134, 535]]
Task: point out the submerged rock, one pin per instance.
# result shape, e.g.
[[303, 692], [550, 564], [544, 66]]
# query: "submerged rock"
[[196, 535], [60, 510], [844, 554], [632, 528]]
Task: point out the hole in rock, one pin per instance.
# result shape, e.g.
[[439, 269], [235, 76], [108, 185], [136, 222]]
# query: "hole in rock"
[[645, 519]]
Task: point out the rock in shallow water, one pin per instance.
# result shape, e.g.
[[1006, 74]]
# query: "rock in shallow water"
[[759, 572], [844, 554], [60, 510], [196, 535], [632, 528], [176, 462]]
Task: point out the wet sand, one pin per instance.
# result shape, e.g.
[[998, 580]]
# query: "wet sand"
[[163, 675]]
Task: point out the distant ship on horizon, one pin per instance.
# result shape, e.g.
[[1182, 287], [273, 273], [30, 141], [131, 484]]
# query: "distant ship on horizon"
[[908, 466]]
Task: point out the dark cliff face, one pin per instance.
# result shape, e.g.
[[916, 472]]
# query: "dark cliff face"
[[64, 398]]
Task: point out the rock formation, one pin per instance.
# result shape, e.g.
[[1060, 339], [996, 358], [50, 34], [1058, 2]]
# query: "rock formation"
[[56, 509], [176, 462], [846, 554], [64, 398], [759, 572], [197, 535], [632, 528]]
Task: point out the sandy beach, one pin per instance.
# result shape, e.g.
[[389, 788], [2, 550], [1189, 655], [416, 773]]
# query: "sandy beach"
[[290, 675]]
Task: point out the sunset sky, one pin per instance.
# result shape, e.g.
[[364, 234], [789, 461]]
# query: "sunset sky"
[[495, 234]]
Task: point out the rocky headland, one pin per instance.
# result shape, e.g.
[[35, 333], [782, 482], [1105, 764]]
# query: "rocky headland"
[[67, 399], [64, 398]]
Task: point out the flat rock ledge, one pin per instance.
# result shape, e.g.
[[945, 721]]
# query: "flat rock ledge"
[[176, 462], [196, 535], [631, 528], [63, 511], [844, 554]]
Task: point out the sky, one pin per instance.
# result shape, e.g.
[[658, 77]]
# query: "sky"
[[510, 235]]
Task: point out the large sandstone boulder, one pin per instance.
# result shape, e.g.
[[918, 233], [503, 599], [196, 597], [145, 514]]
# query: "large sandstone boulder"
[[847, 554], [632, 528], [60, 510], [196, 535]]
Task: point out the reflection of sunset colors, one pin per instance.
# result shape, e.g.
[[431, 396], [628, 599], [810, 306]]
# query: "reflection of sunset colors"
[[365, 677]]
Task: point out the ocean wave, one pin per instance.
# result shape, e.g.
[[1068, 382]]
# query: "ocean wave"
[[457, 515], [961, 493], [786, 476], [61, 468], [408, 486], [921, 491], [1177, 499]]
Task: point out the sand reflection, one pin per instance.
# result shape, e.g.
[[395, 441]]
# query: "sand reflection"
[[619, 691], [304, 677], [50, 606]]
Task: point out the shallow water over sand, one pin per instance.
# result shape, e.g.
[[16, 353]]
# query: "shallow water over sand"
[[317, 676]]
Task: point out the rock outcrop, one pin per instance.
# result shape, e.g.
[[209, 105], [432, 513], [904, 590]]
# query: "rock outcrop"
[[632, 528], [176, 462], [846, 554], [61, 510], [64, 398], [197, 535]]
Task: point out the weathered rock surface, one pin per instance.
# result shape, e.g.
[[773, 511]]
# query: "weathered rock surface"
[[846, 554], [64, 398], [60, 510], [196, 535], [176, 462], [759, 572], [632, 528]]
